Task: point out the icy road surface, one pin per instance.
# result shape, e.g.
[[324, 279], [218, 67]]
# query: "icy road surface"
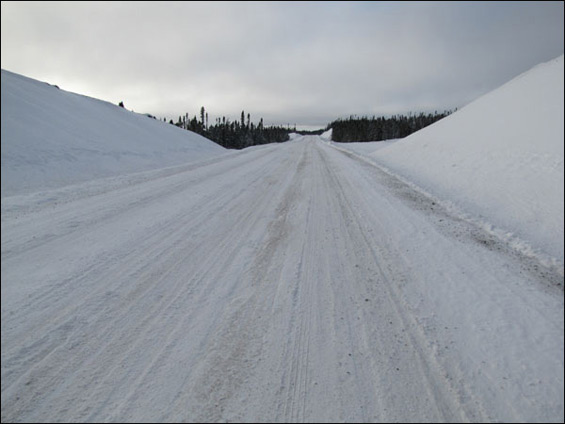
[[288, 282]]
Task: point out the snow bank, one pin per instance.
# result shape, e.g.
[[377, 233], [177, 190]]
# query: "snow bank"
[[52, 138], [327, 135], [499, 158], [365, 148]]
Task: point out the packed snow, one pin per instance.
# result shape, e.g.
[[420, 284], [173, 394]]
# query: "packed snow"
[[52, 138], [282, 283]]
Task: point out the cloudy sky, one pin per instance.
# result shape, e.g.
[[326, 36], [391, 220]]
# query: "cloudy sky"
[[304, 63]]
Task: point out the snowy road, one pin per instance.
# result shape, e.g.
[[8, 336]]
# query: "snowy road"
[[288, 282]]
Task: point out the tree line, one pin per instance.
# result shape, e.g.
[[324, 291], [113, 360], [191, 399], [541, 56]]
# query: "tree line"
[[233, 134], [381, 128], [242, 133]]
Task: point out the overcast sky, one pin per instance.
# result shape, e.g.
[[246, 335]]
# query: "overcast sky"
[[304, 63]]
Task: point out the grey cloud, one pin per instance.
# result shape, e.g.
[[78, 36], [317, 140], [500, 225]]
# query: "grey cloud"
[[291, 62]]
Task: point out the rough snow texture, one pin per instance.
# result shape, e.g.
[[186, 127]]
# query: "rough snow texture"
[[499, 158], [52, 138], [290, 282], [284, 283]]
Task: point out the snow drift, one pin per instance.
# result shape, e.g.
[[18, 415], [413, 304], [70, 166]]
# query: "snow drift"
[[52, 138], [499, 158]]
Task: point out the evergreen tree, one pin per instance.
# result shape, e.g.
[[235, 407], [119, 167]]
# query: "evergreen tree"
[[381, 128], [233, 135]]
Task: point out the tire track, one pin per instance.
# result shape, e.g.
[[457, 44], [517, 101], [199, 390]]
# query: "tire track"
[[444, 405], [295, 287]]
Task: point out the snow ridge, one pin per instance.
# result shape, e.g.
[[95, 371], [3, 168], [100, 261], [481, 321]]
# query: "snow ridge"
[[499, 158], [52, 138]]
